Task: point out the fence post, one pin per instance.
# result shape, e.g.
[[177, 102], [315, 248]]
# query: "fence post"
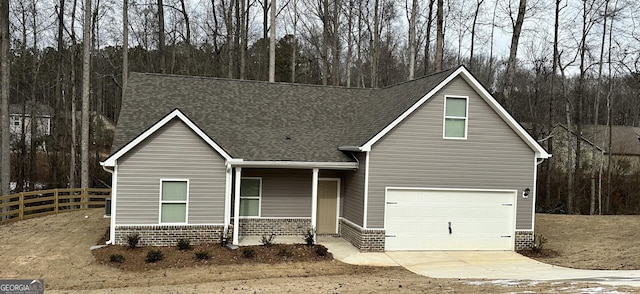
[[21, 207], [84, 198], [55, 201]]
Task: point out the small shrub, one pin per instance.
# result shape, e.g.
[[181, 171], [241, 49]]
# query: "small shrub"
[[154, 255], [309, 238], [267, 240], [322, 251], [285, 252], [202, 255], [538, 243], [184, 244], [133, 240], [116, 258], [248, 252]]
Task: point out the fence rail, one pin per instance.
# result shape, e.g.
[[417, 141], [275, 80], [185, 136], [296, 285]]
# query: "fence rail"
[[26, 205]]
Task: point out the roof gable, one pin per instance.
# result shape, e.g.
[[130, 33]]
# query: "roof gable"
[[476, 85], [175, 114]]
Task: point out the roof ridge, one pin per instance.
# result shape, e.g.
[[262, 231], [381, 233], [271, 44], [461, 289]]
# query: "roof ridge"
[[248, 81], [424, 77]]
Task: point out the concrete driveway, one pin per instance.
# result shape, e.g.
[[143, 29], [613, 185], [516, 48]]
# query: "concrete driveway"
[[492, 265]]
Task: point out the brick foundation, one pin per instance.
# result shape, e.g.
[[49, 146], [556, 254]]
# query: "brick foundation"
[[371, 240], [163, 235], [524, 240], [277, 226]]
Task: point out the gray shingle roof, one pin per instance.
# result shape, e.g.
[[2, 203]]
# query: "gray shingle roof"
[[256, 120]]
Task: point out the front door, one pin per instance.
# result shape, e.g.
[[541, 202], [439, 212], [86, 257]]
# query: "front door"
[[327, 222]]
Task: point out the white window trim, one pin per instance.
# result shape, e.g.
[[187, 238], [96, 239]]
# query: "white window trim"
[[466, 118], [186, 202], [252, 197]]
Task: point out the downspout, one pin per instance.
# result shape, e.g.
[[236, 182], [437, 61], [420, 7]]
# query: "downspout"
[[110, 241]]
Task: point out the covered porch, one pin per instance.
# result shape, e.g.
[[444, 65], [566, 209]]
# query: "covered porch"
[[283, 200]]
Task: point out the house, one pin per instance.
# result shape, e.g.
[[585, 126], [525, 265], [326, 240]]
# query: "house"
[[624, 149], [434, 163], [20, 121]]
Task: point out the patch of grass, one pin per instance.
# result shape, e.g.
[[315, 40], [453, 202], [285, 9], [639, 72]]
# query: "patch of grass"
[[154, 255], [117, 258], [184, 244], [133, 240], [202, 255]]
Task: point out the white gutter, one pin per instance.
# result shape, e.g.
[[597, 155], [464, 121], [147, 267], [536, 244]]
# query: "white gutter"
[[294, 164], [110, 241]]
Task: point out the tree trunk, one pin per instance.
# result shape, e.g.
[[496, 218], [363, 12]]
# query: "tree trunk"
[[86, 87], [349, 41], [473, 33], [325, 41], [427, 41], [513, 52], [596, 101], [272, 43], [412, 39], [161, 49], [125, 45], [5, 154], [243, 38], [294, 49], [335, 56], [74, 127], [376, 44], [439, 37]]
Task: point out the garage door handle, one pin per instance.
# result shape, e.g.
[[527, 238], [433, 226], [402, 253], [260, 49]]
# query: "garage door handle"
[[507, 204], [392, 202], [450, 230], [391, 236], [505, 236]]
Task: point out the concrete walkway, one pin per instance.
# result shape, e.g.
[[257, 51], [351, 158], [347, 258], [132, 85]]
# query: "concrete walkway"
[[492, 265]]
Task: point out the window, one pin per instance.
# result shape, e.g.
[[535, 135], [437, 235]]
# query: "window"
[[250, 192], [173, 201], [15, 121], [455, 118]]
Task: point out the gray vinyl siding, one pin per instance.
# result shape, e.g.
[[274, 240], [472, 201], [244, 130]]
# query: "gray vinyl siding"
[[414, 154], [353, 196], [172, 152], [285, 192]]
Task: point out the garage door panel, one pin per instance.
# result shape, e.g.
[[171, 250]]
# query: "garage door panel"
[[419, 220]]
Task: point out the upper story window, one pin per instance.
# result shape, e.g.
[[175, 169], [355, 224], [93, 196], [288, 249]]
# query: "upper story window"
[[455, 117]]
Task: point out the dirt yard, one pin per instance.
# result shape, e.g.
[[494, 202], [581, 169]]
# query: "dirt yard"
[[591, 242], [56, 248]]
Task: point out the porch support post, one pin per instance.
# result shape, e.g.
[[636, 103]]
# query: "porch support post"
[[236, 207], [227, 199], [314, 201]]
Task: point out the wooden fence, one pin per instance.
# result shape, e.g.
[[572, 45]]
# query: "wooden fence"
[[26, 205]]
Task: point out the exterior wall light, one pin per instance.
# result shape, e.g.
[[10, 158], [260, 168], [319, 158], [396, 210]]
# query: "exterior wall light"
[[525, 193]]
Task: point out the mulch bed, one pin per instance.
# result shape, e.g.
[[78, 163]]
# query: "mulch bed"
[[135, 259], [541, 253]]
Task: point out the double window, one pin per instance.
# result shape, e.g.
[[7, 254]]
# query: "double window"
[[250, 194], [173, 201], [455, 117]]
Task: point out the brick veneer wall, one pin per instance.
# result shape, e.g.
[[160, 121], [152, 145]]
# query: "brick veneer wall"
[[524, 240], [168, 235], [277, 226], [363, 239]]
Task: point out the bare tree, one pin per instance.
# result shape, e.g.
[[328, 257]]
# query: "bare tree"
[[439, 36], [125, 44], [161, 42], [86, 87], [473, 33], [427, 41], [513, 52], [412, 38], [272, 43], [5, 155]]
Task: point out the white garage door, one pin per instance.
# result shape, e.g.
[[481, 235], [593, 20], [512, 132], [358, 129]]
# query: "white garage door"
[[449, 220]]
